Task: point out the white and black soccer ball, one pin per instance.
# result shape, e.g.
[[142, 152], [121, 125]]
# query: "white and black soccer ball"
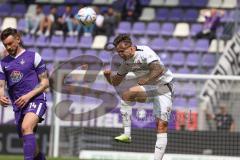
[[86, 15]]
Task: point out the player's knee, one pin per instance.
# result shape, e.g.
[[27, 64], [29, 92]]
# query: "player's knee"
[[162, 126], [127, 96], [27, 128]]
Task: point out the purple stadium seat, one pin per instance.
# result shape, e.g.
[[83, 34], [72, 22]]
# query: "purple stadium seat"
[[85, 42], [138, 28], [153, 28], [185, 3], [56, 41], [178, 59], [162, 14], [61, 55], [175, 15], [208, 60], [167, 29], [179, 102], [157, 44], [200, 3], [105, 56], [193, 103], [47, 54], [193, 60], [91, 52], [28, 40], [61, 10], [165, 58], [5, 9], [173, 44], [177, 89], [191, 15], [19, 10], [21, 25], [187, 45], [201, 45], [184, 70], [189, 90], [41, 41], [84, 1], [195, 28], [75, 53], [124, 28], [144, 2], [46, 9], [143, 40], [71, 42]]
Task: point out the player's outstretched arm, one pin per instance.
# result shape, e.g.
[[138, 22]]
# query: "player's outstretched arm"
[[155, 71], [113, 80], [4, 101], [41, 87]]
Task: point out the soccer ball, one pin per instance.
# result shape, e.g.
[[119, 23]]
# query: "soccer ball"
[[86, 15]]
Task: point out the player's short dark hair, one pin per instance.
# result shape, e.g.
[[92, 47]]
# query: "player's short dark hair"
[[122, 38], [9, 32]]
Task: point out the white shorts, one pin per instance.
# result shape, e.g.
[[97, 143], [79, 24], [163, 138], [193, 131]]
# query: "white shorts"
[[161, 99]]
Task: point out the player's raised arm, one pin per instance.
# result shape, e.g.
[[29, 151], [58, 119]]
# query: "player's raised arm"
[[113, 79], [155, 71]]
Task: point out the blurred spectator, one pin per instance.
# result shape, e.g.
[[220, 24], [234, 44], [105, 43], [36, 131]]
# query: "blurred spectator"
[[210, 25], [110, 22], [118, 7], [99, 29], [224, 121], [68, 23], [132, 10], [48, 23], [33, 20]]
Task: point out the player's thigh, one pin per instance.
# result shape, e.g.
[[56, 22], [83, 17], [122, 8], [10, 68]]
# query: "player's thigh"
[[134, 92], [162, 106], [30, 121]]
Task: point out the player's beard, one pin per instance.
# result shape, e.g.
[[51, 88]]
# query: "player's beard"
[[13, 51]]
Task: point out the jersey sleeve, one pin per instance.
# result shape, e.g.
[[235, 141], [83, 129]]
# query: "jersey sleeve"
[[151, 56], [122, 69], [2, 74], [39, 64]]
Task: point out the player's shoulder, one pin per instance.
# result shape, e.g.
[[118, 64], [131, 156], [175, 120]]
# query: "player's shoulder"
[[142, 48]]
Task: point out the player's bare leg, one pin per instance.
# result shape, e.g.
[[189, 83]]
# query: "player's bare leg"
[[29, 140], [134, 94], [161, 143]]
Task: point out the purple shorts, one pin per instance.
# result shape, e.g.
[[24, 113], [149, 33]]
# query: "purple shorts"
[[38, 107]]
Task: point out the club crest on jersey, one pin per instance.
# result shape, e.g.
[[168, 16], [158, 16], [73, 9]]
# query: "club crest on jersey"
[[16, 76], [22, 61]]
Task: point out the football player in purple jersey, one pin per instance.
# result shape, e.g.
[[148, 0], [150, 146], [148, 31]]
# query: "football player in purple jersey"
[[24, 72]]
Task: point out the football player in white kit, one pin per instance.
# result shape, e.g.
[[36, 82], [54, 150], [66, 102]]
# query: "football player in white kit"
[[154, 84]]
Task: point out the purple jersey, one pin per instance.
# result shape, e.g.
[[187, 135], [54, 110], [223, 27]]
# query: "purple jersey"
[[21, 74]]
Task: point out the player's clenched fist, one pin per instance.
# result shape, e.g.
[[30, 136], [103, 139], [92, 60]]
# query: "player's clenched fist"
[[4, 101]]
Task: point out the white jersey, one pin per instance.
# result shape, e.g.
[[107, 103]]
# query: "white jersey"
[[139, 65]]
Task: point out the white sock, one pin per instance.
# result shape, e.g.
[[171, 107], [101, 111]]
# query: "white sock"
[[126, 111], [160, 147]]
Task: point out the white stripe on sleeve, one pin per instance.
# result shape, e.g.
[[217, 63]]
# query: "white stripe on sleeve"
[[37, 59], [1, 69]]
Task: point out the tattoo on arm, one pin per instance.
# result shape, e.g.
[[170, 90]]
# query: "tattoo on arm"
[[43, 75], [156, 70], [2, 84]]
